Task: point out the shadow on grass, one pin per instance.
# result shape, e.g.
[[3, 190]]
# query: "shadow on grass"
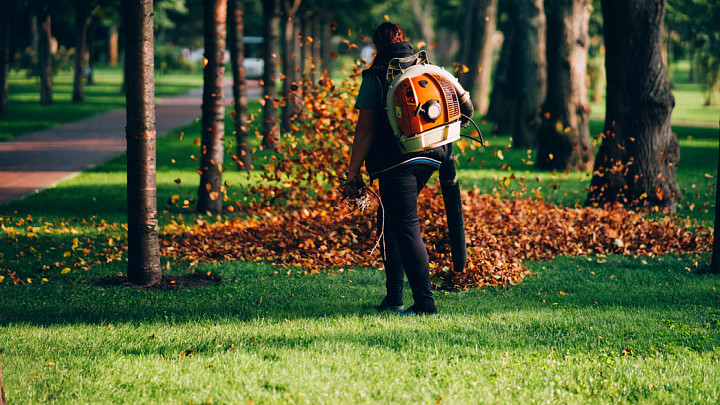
[[252, 291]]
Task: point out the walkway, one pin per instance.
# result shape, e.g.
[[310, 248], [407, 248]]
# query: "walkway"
[[41, 159]]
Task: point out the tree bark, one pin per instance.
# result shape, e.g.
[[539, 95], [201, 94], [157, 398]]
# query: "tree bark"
[[237, 49], [143, 246], [44, 55], [564, 136], [289, 61], [531, 79], [477, 51], [91, 50], [326, 50], [211, 190], [422, 14], [271, 134], [503, 99], [315, 48], [5, 19], [82, 13], [639, 154], [113, 45], [715, 262]]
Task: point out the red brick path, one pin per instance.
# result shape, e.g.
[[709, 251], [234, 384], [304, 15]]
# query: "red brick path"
[[32, 162]]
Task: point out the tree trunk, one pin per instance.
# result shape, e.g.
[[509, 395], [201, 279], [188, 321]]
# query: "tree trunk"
[[715, 263], [92, 28], [289, 61], [503, 98], [639, 154], [211, 190], [270, 31], [237, 50], [326, 50], [531, 79], [564, 136], [143, 246], [45, 57], [477, 51], [315, 51], [5, 19], [113, 45], [422, 14], [81, 16], [34, 34]]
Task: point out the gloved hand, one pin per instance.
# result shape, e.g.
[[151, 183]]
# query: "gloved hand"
[[353, 189]]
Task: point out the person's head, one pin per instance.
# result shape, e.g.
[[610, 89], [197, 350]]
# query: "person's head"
[[386, 34]]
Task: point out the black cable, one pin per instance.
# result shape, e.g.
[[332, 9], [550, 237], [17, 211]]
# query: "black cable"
[[481, 140]]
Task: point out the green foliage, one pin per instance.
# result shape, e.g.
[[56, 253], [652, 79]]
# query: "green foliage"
[[62, 60], [169, 59]]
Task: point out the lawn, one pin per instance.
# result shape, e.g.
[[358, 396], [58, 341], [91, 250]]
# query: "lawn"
[[581, 329]]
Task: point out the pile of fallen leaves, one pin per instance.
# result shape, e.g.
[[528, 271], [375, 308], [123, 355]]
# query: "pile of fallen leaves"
[[294, 218], [501, 234]]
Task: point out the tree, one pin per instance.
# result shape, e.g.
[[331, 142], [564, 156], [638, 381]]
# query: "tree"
[[82, 14], [422, 14], [235, 23], [503, 98], [143, 246], [44, 52], [289, 59], [213, 107], [531, 77], [5, 19], [479, 26], [639, 154], [270, 32], [564, 136]]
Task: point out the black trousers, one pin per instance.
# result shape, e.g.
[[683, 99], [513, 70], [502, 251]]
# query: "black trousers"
[[405, 251]]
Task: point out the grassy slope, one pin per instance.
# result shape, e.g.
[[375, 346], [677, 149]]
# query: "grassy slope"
[[275, 337]]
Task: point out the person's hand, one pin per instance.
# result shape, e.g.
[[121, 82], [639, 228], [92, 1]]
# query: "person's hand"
[[353, 187]]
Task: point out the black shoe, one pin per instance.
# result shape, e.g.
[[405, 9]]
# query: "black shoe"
[[414, 311], [384, 306]]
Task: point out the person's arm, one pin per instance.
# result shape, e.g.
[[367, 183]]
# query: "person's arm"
[[361, 142]]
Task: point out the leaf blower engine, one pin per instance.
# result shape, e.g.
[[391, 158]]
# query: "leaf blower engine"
[[426, 106]]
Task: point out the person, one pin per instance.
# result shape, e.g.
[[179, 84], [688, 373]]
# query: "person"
[[401, 177]]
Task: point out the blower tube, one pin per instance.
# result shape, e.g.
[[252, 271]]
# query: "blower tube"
[[453, 210]]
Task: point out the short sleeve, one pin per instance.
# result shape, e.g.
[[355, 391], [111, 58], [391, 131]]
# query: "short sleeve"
[[369, 97]]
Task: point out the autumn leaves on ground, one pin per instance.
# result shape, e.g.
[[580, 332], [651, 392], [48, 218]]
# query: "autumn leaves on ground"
[[297, 220]]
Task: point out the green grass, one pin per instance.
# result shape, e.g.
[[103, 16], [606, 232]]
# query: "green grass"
[[25, 114], [689, 101], [580, 330], [270, 337]]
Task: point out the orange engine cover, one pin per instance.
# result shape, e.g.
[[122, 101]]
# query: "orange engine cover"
[[424, 102]]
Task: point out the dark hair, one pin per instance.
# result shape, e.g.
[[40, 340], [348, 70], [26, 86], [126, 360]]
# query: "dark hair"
[[388, 33]]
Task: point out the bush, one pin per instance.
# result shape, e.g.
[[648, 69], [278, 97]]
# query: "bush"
[[169, 58]]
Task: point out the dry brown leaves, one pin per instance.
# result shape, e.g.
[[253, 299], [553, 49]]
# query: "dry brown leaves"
[[501, 234], [293, 219]]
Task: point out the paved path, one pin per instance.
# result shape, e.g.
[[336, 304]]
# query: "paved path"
[[38, 160]]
